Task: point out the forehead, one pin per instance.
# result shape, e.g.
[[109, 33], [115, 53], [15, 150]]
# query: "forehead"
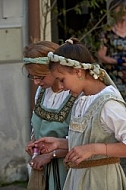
[[122, 5], [57, 73], [38, 69]]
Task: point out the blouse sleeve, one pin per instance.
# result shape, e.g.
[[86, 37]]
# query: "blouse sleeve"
[[103, 39], [113, 118], [37, 93]]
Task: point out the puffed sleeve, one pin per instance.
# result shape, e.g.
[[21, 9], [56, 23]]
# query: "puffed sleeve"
[[113, 117]]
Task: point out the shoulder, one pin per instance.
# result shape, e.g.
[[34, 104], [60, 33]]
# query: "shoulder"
[[106, 31], [37, 93], [115, 102]]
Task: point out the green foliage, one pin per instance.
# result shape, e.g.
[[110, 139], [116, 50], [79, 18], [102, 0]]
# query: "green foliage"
[[89, 34]]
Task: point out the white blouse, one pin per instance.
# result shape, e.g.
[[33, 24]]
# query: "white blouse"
[[52, 100], [113, 115]]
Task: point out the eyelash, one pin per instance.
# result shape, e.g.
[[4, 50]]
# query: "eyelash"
[[61, 80]]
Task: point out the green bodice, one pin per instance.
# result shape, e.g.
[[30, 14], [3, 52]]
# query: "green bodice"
[[51, 122]]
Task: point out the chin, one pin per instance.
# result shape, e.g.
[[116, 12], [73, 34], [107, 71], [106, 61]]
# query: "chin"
[[43, 86], [73, 94]]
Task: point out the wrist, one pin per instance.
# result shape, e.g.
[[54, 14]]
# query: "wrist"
[[100, 149], [53, 154], [62, 144]]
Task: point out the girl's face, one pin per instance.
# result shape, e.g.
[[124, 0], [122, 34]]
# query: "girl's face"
[[68, 79], [43, 81]]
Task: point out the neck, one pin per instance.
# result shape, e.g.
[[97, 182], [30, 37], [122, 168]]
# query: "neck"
[[94, 88], [56, 87], [57, 90], [120, 29], [121, 24]]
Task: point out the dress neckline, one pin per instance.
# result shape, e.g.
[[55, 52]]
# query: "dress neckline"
[[118, 34]]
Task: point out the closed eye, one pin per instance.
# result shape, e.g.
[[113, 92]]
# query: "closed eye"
[[61, 80]]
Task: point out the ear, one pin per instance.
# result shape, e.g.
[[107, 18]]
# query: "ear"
[[78, 72]]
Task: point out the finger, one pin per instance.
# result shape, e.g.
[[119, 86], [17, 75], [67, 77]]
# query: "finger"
[[31, 145], [40, 146], [34, 165], [40, 140], [43, 151], [41, 168], [78, 161], [43, 148], [37, 166], [31, 164], [29, 151], [74, 159], [69, 156]]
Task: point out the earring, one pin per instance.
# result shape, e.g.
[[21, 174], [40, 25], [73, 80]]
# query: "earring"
[[80, 78]]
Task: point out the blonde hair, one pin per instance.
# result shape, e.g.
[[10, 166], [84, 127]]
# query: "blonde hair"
[[35, 50]]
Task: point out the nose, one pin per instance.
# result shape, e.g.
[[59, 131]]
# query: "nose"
[[61, 87], [37, 82]]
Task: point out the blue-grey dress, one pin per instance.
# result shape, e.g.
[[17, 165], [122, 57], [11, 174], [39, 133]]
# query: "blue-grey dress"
[[86, 130], [53, 123]]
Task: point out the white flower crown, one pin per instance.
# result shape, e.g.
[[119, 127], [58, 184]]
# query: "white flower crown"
[[94, 68]]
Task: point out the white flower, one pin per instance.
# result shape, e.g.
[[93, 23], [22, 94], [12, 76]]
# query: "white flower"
[[50, 55], [63, 62], [61, 58], [95, 76], [86, 66], [56, 58], [70, 62], [96, 70], [76, 63]]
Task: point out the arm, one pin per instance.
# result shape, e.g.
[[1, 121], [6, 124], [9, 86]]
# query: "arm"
[[114, 121], [42, 159], [103, 57], [29, 147], [37, 93], [80, 153], [48, 144]]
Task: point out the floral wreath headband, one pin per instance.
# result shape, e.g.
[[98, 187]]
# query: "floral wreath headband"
[[94, 69], [38, 60]]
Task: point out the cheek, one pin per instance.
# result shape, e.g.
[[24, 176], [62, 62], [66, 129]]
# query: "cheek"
[[72, 84], [49, 81], [56, 74], [68, 84], [36, 82]]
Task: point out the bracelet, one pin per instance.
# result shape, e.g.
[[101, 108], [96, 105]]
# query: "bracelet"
[[54, 154]]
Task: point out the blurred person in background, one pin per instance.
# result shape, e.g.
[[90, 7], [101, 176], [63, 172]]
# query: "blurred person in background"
[[112, 51]]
